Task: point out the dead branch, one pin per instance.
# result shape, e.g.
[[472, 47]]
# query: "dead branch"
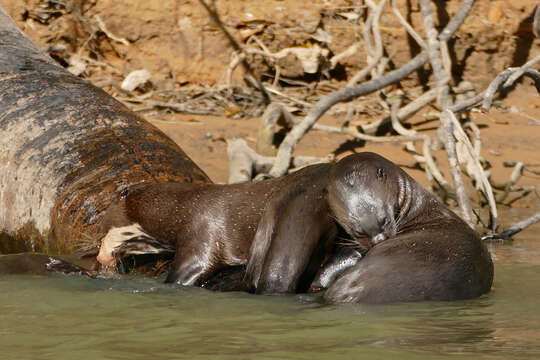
[[247, 68], [376, 55], [519, 73], [479, 173], [536, 22], [408, 27], [516, 174], [341, 95], [150, 104], [456, 21], [441, 75], [497, 84], [432, 171], [514, 229], [267, 128], [244, 161], [449, 141], [403, 113], [103, 28], [508, 77], [236, 59], [352, 92]]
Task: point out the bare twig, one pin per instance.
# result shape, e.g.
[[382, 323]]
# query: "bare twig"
[[519, 73], [103, 28], [456, 21], [341, 95], [434, 53], [516, 174], [240, 161], [536, 22], [250, 77], [403, 113], [441, 77], [175, 107], [431, 168], [450, 146], [267, 128], [377, 54], [496, 85], [479, 173], [350, 93], [502, 78], [236, 59], [244, 161], [350, 51], [360, 136], [407, 26], [288, 97], [514, 229]]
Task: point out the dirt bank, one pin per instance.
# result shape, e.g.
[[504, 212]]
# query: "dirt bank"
[[105, 40]]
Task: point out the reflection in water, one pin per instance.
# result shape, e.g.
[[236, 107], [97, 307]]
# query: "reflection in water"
[[62, 317]]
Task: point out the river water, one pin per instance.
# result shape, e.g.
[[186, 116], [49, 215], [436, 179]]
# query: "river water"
[[78, 318]]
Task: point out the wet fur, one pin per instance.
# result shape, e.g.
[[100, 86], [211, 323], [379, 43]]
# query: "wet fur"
[[285, 232], [212, 227], [295, 233], [431, 255]]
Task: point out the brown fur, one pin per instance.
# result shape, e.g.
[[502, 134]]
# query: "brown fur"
[[213, 226], [429, 253], [282, 230]]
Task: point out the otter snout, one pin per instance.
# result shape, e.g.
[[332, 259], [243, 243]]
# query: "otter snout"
[[105, 258]]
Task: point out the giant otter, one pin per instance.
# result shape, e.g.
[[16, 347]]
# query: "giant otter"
[[212, 226], [283, 230], [420, 249]]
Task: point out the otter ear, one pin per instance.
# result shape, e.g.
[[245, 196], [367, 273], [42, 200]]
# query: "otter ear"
[[381, 174]]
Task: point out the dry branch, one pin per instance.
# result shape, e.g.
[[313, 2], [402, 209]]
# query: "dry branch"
[[432, 171], [497, 84], [403, 113], [250, 77], [514, 229], [479, 173], [341, 95], [352, 92], [408, 27], [441, 75], [377, 54], [244, 161], [516, 174]]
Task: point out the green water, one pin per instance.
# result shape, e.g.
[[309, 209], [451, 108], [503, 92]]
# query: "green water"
[[77, 318]]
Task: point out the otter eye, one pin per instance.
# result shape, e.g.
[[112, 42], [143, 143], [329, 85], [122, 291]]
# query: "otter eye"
[[380, 173]]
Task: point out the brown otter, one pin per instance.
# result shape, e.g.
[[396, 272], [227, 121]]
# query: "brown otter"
[[212, 226], [283, 230], [421, 250]]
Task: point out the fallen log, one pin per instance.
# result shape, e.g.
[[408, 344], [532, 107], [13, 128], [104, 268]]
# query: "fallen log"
[[67, 150]]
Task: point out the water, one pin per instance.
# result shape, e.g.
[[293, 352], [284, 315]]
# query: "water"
[[72, 317]]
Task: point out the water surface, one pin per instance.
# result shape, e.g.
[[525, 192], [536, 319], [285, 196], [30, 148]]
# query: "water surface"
[[78, 318]]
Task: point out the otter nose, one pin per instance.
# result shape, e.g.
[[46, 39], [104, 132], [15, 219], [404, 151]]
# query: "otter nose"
[[105, 259], [378, 238]]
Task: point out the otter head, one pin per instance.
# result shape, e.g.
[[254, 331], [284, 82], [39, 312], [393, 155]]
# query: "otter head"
[[121, 242], [363, 193], [109, 244]]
